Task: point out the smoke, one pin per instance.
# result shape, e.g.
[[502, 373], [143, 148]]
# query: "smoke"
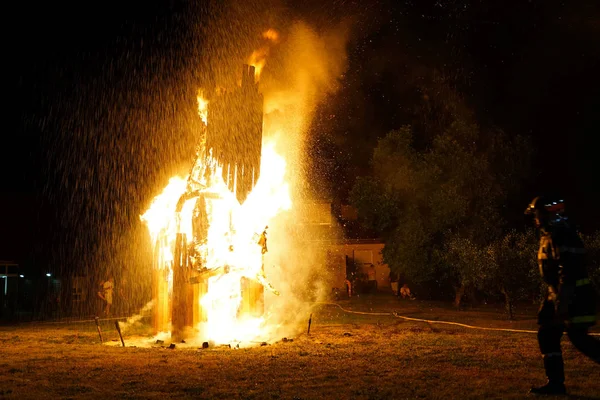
[[131, 321], [303, 69]]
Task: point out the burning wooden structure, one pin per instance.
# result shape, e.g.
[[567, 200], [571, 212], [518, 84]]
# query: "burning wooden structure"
[[231, 156], [235, 134]]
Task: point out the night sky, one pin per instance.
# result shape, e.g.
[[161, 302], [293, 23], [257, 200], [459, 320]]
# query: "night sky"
[[527, 67]]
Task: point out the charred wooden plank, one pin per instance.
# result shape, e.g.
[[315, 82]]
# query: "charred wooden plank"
[[234, 134]]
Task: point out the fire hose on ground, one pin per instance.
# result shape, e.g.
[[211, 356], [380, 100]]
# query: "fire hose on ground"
[[428, 321]]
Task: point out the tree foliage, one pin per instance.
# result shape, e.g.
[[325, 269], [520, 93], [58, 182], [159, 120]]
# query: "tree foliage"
[[440, 208], [468, 263], [592, 246], [511, 267]]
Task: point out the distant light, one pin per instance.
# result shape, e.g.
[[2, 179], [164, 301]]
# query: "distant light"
[[48, 274], [21, 276]]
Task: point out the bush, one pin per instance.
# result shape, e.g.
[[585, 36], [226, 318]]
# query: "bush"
[[592, 245]]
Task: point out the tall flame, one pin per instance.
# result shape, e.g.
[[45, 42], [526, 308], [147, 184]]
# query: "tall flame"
[[258, 58], [233, 230], [159, 217], [231, 248], [202, 107]]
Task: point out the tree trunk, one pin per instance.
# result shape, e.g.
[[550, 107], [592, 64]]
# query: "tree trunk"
[[459, 294], [472, 296], [508, 304]]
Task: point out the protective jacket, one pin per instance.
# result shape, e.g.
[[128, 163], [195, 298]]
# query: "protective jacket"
[[562, 263]]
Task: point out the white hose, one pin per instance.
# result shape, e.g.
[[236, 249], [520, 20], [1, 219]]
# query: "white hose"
[[394, 314]]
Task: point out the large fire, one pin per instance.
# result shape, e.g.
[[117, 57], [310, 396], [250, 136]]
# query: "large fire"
[[236, 236], [218, 217]]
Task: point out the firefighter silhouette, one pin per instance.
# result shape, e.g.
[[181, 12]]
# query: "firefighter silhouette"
[[570, 300]]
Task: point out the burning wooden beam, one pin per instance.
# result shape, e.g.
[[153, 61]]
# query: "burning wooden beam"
[[182, 309], [160, 288]]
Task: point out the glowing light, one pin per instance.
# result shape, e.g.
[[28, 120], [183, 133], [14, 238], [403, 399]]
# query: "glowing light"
[[258, 59], [231, 249], [159, 217], [271, 34], [228, 250], [202, 107]]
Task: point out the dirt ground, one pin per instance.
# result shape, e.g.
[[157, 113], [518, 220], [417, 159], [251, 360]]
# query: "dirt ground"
[[346, 356]]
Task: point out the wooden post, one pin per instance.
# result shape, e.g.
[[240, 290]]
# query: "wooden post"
[[182, 310], [98, 329], [119, 330], [160, 289]]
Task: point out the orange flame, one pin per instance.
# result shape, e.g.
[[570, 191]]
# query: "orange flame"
[[231, 246], [271, 34], [202, 107], [258, 58], [234, 229]]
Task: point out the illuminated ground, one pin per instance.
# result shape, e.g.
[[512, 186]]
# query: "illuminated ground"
[[346, 356]]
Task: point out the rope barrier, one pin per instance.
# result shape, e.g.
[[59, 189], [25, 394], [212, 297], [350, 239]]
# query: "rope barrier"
[[77, 321], [396, 315]]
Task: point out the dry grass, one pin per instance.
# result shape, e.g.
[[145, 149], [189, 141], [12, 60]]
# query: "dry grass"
[[346, 356]]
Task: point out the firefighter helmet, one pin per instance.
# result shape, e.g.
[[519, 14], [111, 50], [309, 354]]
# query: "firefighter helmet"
[[545, 205]]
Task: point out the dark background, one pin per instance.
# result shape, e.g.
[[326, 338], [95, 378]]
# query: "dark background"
[[104, 98]]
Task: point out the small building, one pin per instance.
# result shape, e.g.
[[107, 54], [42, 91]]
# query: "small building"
[[346, 255], [361, 257]]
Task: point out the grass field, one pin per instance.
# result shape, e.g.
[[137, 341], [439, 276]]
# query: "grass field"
[[346, 356]]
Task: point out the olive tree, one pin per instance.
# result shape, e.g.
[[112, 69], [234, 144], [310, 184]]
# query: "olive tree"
[[428, 203], [512, 267]]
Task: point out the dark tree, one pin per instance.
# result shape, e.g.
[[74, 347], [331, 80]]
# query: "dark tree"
[[440, 207]]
